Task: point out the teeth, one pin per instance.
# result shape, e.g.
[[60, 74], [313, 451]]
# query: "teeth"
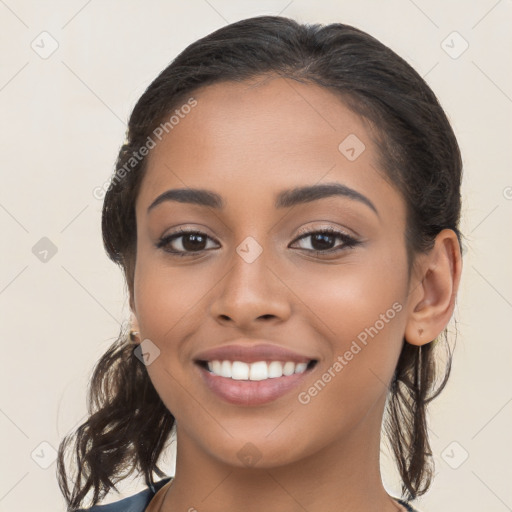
[[275, 369], [258, 371], [238, 370], [289, 368], [301, 367], [225, 369], [216, 367]]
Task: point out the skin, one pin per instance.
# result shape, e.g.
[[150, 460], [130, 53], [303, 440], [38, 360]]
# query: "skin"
[[247, 142]]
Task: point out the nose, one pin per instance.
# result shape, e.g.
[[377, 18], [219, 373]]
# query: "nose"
[[251, 293]]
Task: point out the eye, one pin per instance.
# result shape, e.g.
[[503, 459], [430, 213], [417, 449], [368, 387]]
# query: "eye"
[[184, 242], [322, 241], [187, 242]]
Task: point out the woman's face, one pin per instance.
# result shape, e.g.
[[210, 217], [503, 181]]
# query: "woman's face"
[[254, 276]]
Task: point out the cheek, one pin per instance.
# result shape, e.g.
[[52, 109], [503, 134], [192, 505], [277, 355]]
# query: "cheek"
[[350, 298], [166, 301], [361, 310], [364, 323], [163, 296]]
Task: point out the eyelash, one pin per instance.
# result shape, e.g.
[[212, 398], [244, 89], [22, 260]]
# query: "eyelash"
[[348, 241]]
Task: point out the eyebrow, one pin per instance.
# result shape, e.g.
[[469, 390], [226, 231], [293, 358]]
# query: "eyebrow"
[[285, 198]]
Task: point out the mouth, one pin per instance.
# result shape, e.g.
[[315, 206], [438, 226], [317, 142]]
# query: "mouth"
[[251, 384]]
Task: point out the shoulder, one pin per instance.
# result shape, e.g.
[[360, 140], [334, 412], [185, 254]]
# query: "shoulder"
[[136, 503]]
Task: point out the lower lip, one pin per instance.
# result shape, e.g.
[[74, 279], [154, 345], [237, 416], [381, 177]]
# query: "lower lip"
[[251, 392]]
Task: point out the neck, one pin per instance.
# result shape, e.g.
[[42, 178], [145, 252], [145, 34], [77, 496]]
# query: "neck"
[[343, 476]]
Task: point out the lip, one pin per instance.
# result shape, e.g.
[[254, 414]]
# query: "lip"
[[252, 353], [251, 392], [247, 392]]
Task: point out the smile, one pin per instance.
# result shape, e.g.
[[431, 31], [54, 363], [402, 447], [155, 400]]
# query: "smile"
[[252, 372], [259, 383], [260, 370]]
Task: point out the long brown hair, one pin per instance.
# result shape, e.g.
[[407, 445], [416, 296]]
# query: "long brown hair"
[[128, 424]]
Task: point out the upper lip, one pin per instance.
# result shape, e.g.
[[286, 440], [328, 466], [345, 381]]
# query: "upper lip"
[[251, 351]]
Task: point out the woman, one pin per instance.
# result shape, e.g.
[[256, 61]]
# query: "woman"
[[285, 210]]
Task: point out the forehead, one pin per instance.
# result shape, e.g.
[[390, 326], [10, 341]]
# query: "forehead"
[[274, 118], [263, 135]]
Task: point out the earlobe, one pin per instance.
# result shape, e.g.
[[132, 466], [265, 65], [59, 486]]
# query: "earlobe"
[[434, 290]]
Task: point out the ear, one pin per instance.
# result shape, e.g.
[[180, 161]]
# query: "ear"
[[433, 289]]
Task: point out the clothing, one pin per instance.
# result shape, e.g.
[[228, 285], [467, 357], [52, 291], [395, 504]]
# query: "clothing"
[[136, 503], [140, 501], [407, 505]]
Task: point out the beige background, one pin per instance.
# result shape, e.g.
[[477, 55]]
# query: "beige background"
[[63, 121]]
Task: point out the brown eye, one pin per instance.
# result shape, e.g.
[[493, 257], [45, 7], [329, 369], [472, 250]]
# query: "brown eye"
[[184, 243], [323, 241]]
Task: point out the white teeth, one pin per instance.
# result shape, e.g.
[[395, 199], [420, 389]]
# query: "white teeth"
[[275, 369], [225, 369], [301, 367], [239, 371], [258, 371], [216, 367], [289, 368], [261, 370]]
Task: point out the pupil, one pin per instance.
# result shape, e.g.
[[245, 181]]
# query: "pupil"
[[191, 246], [324, 239]]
